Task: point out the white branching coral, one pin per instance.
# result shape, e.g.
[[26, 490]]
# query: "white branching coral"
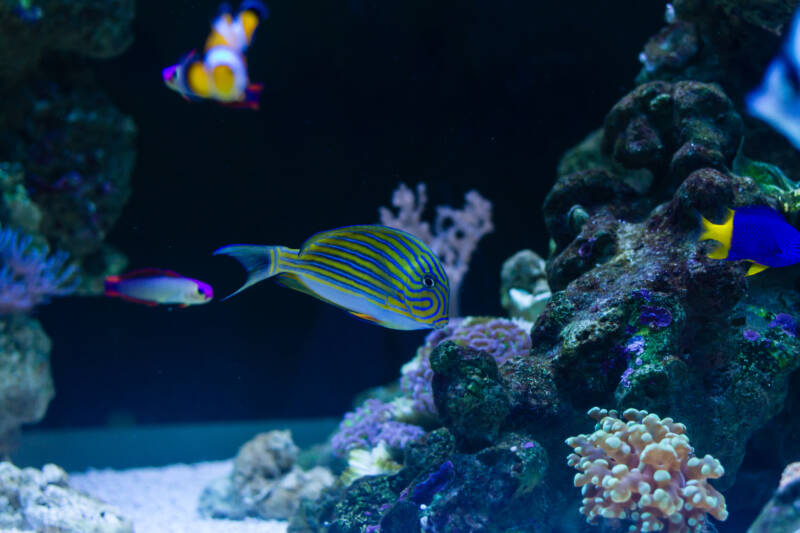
[[643, 470]]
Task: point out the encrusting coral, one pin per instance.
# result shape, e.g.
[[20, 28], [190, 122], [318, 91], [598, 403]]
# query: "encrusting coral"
[[643, 470]]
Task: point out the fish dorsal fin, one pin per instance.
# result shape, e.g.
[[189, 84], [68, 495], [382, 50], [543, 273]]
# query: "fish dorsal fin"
[[149, 273], [761, 211], [220, 27], [755, 268], [251, 13]]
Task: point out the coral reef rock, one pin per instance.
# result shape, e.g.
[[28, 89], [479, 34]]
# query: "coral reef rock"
[[639, 317], [265, 481], [42, 500], [477, 472], [78, 151], [638, 311], [523, 284], [26, 386], [92, 28], [468, 393], [782, 513]]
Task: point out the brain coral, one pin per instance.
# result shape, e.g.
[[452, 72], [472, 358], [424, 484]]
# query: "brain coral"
[[643, 470]]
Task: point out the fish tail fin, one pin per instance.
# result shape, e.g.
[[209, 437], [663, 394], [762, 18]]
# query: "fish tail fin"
[[260, 262], [722, 233], [252, 95], [251, 13], [111, 286]]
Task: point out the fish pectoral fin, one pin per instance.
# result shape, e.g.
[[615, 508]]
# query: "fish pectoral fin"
[[365, 317], [755, 268]]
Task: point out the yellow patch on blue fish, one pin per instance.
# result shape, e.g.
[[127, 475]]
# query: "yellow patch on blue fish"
[[757, 234], [379, 274]]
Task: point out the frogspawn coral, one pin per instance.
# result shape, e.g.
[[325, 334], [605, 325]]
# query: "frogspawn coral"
[[642, 469]]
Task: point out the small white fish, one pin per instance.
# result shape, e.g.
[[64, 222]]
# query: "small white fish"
[[777, 100], [154, 286]]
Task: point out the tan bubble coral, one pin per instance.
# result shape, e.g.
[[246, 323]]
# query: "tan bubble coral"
[[641, 469]]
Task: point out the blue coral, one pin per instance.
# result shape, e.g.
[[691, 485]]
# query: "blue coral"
[[369, 425], [30, 275]]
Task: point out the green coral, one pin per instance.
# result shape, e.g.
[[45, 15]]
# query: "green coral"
[[16, 207], [771, 180]]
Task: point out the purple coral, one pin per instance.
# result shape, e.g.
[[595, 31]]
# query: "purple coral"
[[751, 335], [500, 338], [456, 231], [370, 424], [30, 275], [786, 323], [634, 346], [655, 317]]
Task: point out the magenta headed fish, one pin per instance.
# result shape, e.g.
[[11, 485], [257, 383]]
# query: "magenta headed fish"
[[153, 286]]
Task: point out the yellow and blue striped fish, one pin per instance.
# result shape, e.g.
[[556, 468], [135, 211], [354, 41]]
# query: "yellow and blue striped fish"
[[376, 273]]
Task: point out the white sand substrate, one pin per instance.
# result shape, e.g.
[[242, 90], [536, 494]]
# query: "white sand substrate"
[[164, 500]]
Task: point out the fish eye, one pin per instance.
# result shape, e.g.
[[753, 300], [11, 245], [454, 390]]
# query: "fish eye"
[[428, 281]]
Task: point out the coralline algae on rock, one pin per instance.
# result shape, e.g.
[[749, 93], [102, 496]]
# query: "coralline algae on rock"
[[26, 385], [265, 481]]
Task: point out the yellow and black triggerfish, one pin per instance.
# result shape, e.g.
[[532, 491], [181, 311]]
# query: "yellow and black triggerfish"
[[757, 234], [376, 273]]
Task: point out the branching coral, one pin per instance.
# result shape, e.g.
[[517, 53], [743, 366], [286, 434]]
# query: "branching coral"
[[643, 470], [500, 338], [455, 234], [29, 274]]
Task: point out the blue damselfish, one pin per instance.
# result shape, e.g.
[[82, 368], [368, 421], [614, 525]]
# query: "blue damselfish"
[[757, 234], [376, 273]]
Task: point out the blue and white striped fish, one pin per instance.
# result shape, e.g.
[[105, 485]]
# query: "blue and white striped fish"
[[376, 273]]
